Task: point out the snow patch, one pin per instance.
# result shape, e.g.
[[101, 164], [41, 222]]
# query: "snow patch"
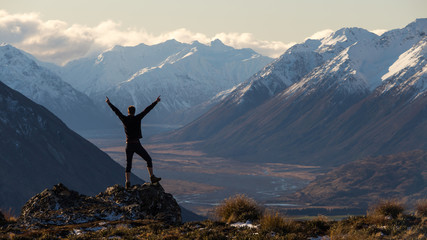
[[408, 59]]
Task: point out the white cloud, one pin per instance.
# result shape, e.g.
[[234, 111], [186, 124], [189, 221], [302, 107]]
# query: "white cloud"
[[59, 42], [246, 40], [379, 32]]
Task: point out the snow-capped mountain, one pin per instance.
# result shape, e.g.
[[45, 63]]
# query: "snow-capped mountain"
[[326, 101], [38, 150], [110, 68], [185, 75], [22, 73]]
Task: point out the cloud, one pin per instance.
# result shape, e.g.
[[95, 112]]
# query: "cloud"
[[379, 32], [247, 40], [60, 42], [321, 34]]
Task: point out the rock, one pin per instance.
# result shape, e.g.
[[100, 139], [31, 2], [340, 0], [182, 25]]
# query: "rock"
[[61, 206]]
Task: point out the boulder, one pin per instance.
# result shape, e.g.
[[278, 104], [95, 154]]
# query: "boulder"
[[62, 206]]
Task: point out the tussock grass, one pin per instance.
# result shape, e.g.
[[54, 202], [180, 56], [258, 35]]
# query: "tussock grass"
[[387, 208], [275, 222], [421, 208], [9, 215], [238, 208]]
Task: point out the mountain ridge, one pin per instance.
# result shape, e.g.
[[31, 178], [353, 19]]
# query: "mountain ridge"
[[21, 72], [185, 75], [328, 115], [40, 150]]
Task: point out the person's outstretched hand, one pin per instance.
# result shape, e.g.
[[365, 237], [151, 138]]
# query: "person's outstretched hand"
[[158, 99], [107, 100]]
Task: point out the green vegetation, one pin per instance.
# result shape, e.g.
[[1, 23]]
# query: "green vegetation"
[[386, 220]]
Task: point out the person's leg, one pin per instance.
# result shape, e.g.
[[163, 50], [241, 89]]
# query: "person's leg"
[[144, 154], [127, 176], [129, 156]]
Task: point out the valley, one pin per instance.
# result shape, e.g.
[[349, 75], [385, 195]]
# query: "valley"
[[199, 181]]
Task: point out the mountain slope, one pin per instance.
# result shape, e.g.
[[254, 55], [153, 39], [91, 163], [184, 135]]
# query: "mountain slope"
[[22, 73], [366, 181], [184, 74], [290, 68], [38, 151], [362, 96]]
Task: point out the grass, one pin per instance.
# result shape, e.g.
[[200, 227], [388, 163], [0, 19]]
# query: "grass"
[[275, 222], [421, 208], [377, 224], [8, 215], [238, 208], [388, 209]]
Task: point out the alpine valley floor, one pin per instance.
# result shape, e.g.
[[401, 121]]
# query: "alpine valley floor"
[[200, 182]]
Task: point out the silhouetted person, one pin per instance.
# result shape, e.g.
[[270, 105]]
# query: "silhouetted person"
[[132, 126]]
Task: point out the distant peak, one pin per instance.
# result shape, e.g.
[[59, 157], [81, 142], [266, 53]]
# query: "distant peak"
[[171, 41], [196, 43], [352, 34], [352, 31], [7, 45], [9, 48], [217, 42], [420, 24]]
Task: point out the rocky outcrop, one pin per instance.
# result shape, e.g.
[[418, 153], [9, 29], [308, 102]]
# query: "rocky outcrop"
[[62, 206]]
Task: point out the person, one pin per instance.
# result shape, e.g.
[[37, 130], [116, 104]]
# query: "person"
[[132, 127]]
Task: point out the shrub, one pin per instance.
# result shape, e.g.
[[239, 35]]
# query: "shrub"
[[422, 208], [318, 226], [238, 208], [7, 216], [274, 222], [388, 208]]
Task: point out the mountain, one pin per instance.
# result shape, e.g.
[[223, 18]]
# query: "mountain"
[[327, 102], [38, 150], [366, 181], [185, 75], [21, 72]]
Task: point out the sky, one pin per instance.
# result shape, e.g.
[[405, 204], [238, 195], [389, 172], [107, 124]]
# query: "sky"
[[59, 31]]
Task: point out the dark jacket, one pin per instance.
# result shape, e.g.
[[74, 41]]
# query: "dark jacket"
[[132, 124]]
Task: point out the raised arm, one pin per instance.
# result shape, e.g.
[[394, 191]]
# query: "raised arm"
[[149, 108], [115, 110]]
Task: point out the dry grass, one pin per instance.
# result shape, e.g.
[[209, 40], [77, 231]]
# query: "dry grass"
[[271, 226], [387, 208], [274, 222], [9, 215], [238, 208], [421, 208]]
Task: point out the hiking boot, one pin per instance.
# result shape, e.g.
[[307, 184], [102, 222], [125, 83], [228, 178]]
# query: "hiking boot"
[[155, 179], [127, 185]]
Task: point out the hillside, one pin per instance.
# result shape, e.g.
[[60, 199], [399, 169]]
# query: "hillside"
[[22, 72], [363, 182], [38, 150]]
